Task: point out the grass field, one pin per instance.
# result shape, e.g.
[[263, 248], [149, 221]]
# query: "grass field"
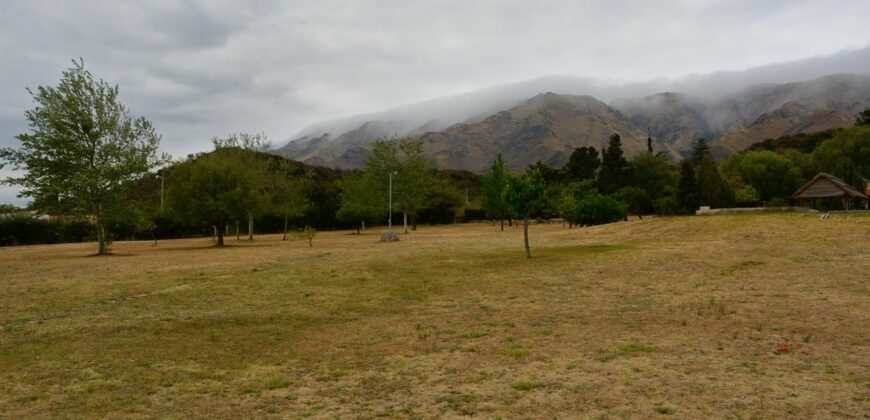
[[727, 316]]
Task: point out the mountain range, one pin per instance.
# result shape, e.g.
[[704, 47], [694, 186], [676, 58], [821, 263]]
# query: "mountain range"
[[546, 119]]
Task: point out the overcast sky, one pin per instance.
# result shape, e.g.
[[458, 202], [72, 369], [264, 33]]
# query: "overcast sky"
[[199, 69]]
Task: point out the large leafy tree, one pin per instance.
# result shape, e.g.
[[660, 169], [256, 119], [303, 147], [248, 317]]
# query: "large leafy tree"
[[214, 190], [772, 175], [583, 164], [523, 195], [285, 188], [250, 150], [358, 203], [653, 174], [82, 150], [413, 174], [614, 167], [494, 182], [846, 155]]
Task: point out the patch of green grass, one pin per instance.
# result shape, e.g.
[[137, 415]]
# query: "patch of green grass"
[[663, 409], [752, 366], [635, 348], [517, 351], [525, 385], [276, 383]]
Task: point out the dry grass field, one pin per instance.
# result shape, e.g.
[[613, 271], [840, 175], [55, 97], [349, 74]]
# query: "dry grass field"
[[751, 316]]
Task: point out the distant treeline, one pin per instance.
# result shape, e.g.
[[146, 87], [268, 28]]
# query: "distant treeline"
[[272, 194]]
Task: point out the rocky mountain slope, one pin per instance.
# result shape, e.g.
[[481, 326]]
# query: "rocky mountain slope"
[[549, 126]]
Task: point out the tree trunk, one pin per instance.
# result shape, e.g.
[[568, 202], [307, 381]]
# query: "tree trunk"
[[220, 234], [502, 225], [251, 227], [363, 225], [285, 228], [526, 237], [405, 221], [413, 223], [238, 236], [101, 239]]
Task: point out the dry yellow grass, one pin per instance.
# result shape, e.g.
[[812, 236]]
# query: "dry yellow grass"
[[679, 316]]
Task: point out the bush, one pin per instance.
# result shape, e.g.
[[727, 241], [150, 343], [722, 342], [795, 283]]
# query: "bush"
[[780, 202], [29, 230], [667, 205], [598, 210]]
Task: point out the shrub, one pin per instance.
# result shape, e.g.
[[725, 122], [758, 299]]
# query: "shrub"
[[667, 205], [29, 230], [307, 234], [598, 210]]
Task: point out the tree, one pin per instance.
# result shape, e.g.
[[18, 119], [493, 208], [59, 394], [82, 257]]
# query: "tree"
[[583, 164], [493, 186], [572, 194], [285, 190], [213, 189], [522, 194], [712, 190], [636, 199], [442, 204], [771, 175], [412, 179], [700, 151], [653, 174], [846, 156], [687, 190], [597, 209], [250, 149], [550, 174], [357, 203], [83, 149], [863, 118], [614, 168]]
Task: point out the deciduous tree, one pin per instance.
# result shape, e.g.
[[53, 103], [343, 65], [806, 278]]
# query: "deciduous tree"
[[213, 189], [494, 183], [523, 194], [82, 149]]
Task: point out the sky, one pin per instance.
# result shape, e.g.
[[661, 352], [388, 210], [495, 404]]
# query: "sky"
[[199, 69]]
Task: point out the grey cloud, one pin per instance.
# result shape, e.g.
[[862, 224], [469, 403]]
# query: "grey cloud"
[[205, 68]]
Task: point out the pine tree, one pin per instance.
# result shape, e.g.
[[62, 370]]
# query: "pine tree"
[[700, 150], [687, 190], [712, 190], [583, 164], [614, 167]]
